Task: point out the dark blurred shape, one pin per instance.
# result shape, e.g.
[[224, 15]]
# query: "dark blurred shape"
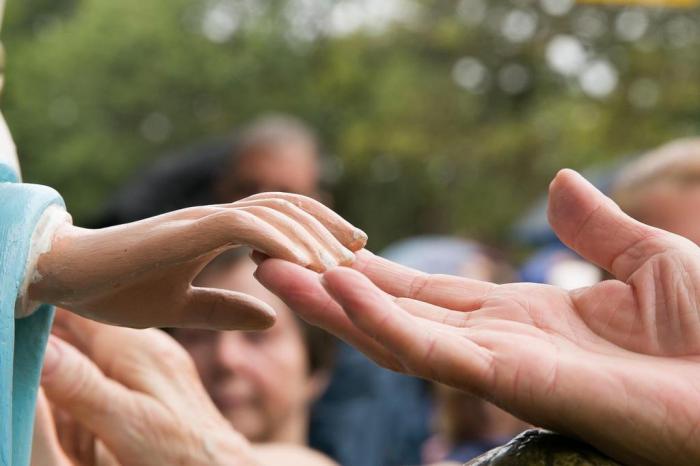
[[175, 181], [540, 447], [369, 415], [467, 426]]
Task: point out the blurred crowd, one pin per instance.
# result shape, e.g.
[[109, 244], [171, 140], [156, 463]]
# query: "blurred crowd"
[[297, 384]]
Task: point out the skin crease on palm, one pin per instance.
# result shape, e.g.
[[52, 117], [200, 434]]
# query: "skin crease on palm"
[[616, 364]]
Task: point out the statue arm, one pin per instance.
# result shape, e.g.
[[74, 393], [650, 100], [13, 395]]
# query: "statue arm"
[[140, 274]]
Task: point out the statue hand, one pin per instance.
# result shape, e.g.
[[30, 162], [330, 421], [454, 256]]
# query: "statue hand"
[[616, 364], [140, 274]]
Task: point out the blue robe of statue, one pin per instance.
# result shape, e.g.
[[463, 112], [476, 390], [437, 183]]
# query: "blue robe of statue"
[[22, 342]]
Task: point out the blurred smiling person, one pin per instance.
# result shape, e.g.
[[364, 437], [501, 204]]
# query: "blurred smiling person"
[[263, 382]]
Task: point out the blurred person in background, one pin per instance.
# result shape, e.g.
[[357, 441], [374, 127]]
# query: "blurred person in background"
[[662, 188], [273, 153], [263, 382], [465, 426]]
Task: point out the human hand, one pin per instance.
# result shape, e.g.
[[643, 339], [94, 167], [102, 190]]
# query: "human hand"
[[61, 441], [615, 364], [137, 393], [140, 274]]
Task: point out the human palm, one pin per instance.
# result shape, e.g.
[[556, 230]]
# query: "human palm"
[[616, 364]]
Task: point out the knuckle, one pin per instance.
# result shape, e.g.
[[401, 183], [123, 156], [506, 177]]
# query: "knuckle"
[[221, 218], [417, 285], [279, 203], [81, 379], [263, 210], [171, 357], [82, 388]]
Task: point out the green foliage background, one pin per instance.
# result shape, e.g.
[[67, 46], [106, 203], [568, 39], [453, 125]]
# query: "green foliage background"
[[415, 151]]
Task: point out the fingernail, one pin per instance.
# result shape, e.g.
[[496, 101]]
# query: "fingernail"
[[359, 240], [359, 234], [51, 357]]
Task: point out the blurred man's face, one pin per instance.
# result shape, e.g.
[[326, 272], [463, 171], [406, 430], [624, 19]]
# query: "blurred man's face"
[[674, 208], [259, 380], [293, 168]]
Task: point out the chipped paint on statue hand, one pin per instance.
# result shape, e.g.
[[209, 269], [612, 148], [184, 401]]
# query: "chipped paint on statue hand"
[[42, 239]]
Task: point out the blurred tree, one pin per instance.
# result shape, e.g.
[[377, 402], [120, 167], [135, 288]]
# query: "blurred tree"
[[441, 115]]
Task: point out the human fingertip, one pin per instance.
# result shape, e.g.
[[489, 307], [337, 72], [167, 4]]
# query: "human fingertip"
[[567, 172], [359, 240], [260, 318], [269, 312], [334, 277], [263, 322], [559, 177], [253, 315], [262, 274]]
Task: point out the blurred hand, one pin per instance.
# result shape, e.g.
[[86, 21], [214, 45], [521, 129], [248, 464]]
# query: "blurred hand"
[[46, 450], [61, 441], [128, 397], [135, 393], [140, 274], [616, 364]]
